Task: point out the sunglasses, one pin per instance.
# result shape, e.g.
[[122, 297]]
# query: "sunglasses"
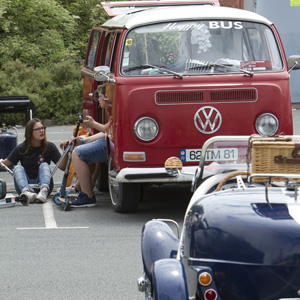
[[39, 129]]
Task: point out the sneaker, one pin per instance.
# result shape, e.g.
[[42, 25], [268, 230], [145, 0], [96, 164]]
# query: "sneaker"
[[31, 196], [42, 196], [71, 191], [83, 201]]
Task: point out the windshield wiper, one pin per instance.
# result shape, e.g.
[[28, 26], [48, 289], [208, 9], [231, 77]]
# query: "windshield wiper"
[[232, 66], [160, 68], [209, 65], [135, 68]]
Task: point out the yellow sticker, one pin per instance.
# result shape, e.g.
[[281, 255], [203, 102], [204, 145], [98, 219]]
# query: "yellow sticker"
[[129, 42], [295, 2]]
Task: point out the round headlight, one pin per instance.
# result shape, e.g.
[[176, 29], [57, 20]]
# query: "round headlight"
[[146, 129], [266, 124]]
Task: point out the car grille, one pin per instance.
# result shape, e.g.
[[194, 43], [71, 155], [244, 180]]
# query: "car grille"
[[205, 96]]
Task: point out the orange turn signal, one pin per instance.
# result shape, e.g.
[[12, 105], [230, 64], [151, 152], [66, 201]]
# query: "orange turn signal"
[[205, 279], [134, 156]]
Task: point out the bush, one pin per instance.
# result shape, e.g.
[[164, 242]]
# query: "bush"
[[56, 90]]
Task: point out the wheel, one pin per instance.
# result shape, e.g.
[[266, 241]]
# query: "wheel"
[[168, 280], [23, 199], [67, 204], [124, 197], [56, 200], [229, 177], [102, 180]]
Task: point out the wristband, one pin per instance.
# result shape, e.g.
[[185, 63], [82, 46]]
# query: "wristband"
[[82, 142]]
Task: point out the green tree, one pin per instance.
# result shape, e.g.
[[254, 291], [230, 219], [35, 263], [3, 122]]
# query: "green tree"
[[42, 48], [37, 33], [86, 13]]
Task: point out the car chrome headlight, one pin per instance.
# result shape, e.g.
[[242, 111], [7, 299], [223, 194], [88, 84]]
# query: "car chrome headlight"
[[267, 124], [146, 129]]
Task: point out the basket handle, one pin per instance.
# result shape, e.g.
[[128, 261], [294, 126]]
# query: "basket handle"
[[280, 159]]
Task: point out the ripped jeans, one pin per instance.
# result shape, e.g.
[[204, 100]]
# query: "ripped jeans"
[[22, 181]]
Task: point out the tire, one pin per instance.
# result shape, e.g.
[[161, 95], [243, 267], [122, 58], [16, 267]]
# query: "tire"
[[102, 180], [124, 197], [56, 200], [168, 280]]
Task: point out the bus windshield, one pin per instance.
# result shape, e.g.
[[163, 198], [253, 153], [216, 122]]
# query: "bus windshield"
[[200, 47]]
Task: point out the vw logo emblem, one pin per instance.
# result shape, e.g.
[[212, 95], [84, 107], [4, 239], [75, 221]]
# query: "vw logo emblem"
[[208, 120]]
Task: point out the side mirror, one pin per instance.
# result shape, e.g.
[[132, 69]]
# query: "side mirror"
[[294, 62], [2, 189], [102, 73]]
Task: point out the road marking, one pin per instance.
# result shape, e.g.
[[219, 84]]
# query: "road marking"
[[49, 218], [43, 228], [49, 215]]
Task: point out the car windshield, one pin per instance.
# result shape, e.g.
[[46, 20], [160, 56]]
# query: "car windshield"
[[200, 47]]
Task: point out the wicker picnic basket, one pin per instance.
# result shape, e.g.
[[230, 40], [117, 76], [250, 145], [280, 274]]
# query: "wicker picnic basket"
[[274, 155]]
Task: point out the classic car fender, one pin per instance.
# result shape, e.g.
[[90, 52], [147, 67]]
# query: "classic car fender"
[[158, 242], [168, 280]]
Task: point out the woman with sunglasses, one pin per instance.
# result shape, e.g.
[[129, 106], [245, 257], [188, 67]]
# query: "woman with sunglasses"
[[35, 155]]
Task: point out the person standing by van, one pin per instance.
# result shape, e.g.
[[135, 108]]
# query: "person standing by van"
[[35, 155], [91, 149]]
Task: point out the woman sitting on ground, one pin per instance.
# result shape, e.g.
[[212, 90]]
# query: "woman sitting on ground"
[[35, 155]]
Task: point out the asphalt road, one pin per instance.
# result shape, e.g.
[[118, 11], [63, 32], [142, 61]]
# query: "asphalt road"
[[87, 253], [47, 253]]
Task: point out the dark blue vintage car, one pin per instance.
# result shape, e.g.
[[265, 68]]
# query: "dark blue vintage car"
[[241, 232]]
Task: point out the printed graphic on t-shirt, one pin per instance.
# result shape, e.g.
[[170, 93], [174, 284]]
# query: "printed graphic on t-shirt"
[[41, 159]]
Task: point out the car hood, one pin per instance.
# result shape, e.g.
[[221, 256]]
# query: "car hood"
[[241, 226]]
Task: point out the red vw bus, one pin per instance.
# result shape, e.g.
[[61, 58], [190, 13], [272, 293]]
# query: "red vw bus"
[[177, 74]]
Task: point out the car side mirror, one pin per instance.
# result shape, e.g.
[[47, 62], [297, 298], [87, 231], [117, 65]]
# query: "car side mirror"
[[294, 62], [102, 73], [2, 189]]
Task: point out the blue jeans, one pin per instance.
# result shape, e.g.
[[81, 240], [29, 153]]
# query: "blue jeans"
[[93, 152], [22, 181]]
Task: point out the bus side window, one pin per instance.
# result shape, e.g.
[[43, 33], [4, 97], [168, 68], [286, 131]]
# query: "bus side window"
[[92, 50], [106, 51], [114, 53]]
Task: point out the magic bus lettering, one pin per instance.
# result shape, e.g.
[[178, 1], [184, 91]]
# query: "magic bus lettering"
[[225, 25], [211, 25], [182, 27]]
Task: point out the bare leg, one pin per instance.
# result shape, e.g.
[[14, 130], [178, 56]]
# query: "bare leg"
[[95, 173], [84, 174], [77, 185], [95, 169]]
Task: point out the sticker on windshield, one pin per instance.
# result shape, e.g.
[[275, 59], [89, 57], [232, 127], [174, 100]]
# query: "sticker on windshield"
[[295, 2], [222, 154], [186, 26], [256, 65], [129, 42]]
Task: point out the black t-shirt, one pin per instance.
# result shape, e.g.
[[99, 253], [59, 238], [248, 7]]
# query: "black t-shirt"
[[32, 159]]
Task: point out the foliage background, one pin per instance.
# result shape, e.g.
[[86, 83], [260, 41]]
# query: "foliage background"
[[42, 49]]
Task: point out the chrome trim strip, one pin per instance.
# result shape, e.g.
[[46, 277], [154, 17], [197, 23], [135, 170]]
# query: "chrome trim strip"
[[193, 260], [131, 172]]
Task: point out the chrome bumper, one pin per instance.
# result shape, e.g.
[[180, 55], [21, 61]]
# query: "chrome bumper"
[[158, 175]]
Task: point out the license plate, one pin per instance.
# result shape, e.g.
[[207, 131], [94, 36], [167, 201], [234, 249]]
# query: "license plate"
[[222, 154]]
